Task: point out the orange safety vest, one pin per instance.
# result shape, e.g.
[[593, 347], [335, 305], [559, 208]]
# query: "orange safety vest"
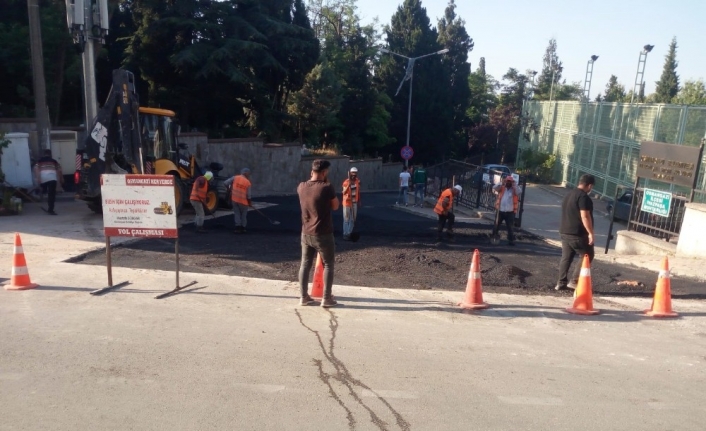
[[515, 198], [239, 193], [439, 208], [199, 193], [348, 194]]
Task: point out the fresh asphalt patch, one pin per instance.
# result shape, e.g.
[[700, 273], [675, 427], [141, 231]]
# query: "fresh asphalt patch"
[[396, 250]]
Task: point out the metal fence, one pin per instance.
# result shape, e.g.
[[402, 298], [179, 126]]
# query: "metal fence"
[[655, 225], [603, 139], [477, 184]]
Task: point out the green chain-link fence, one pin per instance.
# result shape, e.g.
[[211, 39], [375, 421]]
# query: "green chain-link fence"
[[603, 139]]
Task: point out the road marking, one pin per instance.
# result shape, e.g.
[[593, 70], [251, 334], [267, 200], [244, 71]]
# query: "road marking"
[[531, 401], [383, 393]]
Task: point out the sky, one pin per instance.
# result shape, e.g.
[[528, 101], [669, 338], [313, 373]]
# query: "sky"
[[512, 33]]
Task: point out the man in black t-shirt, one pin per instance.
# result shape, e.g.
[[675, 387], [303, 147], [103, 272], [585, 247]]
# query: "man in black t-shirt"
[[576, 230], [317, 199]]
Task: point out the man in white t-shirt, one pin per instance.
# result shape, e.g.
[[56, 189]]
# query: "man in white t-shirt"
[[405, 177]]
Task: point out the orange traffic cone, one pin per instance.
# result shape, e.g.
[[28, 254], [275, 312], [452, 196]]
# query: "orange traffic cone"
[[474, 288], [20, 275], [583, 296], [317, 287], [662, 302]]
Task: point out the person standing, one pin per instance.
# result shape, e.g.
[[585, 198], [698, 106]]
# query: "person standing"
[[576, 230], [49, 175], [419, 182], [351, 199], [506, 204], [444, 209], [241, 198], [317, 199], [199, 192], [404, 186]]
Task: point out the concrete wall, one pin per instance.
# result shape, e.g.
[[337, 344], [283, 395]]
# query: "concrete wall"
[[692, 241], [279, 168], [631, 243]]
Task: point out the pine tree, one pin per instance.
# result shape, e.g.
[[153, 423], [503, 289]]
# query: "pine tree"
[[551, 72], [453, 36], [614, 91], [668, 84]]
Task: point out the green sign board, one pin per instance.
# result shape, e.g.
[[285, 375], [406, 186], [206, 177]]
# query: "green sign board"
[[656, 202]]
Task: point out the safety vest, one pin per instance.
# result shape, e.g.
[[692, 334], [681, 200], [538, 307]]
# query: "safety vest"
[[239, 193], [199, 193], [515, 198], [439, 208], [348, 194]]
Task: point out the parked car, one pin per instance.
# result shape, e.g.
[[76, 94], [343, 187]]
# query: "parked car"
[[622, 206]]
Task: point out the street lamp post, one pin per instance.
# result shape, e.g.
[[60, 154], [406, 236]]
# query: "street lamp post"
[[589, 78], [640, 76], [409, 74]]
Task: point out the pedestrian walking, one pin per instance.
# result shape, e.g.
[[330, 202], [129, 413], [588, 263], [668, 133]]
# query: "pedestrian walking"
[[241, 198], [48, 172], [419, 182], [506, 205], [351, 199], [405, 177], [576, 231], [317, 199], [198, 198], [444, 209]]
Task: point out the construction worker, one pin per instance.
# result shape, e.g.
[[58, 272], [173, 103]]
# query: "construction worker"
[[240, 196], [198, 198], [419, 181], [48, 173], [318, 200], [506, 205], [444, 208], [351, 199]]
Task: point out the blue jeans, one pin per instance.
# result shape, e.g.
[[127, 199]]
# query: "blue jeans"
[[419, 194], [349, 216], [402, 198]]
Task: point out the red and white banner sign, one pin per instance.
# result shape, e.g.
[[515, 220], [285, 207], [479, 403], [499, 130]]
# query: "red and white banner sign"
[[139, 206]]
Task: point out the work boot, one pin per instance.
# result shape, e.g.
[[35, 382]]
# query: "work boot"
[[306, 300], [329, 302]]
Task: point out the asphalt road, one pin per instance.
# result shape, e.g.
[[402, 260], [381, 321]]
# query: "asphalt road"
[[396, 250]]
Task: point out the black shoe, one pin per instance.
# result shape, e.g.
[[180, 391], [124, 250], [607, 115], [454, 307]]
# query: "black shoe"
[[560, 287], [52, 213]]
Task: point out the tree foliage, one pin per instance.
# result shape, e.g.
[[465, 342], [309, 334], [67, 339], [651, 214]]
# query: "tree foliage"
[[668, 84], [692, 93], [614, 91]]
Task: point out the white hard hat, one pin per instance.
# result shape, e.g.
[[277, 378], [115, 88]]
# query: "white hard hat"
[[459, 188], [354, 170], [208, 175]]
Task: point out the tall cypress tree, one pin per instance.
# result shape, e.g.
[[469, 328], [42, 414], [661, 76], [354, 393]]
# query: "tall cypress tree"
[[453, 36], [668, 84], [551, 70]]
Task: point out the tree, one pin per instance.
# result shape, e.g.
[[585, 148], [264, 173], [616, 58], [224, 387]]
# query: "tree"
[[411, 34], [514, 92], [316, 106], [551, 73], [453, 36], [614, 91], [668, 84], [692, 93], [482, 95]]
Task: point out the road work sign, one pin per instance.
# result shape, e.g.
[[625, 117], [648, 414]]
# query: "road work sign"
[[139, 206], [656, 202]]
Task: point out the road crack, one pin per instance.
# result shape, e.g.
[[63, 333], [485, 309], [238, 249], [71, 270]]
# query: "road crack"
[[343, 376]]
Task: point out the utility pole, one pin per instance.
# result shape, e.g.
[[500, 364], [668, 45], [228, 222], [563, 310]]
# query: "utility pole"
[[88, 24], [41, 111]]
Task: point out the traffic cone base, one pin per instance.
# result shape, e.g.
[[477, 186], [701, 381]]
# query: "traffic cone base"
[[474, 288], [583, 295], [317, 286], [20, 274], [662, 302]]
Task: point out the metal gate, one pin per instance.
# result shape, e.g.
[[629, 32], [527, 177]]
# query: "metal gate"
[[477, 183]]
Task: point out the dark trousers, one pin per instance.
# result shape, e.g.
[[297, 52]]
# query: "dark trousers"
[[311, 245], [570, 247], [509, 219], [442, 221], [50, 188]]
